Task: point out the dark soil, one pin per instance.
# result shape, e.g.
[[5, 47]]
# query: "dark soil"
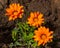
[[50, 9]]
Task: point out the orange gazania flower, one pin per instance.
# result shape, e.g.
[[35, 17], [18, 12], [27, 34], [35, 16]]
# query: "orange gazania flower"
[[14, 11], [43, 35], [35, 19]]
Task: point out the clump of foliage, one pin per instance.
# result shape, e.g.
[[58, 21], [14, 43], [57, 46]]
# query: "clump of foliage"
[[22, 35]]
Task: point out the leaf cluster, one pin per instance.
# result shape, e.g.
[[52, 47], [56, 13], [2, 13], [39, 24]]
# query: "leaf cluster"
[[23, 35]]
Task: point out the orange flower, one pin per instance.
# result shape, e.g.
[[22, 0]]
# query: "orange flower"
[[14, 11], [35, 19], [43, 35]]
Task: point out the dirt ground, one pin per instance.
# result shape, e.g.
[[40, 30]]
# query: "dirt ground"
[[50, 9]]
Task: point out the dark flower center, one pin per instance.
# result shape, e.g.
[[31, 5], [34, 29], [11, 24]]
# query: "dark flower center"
[[43, 36]]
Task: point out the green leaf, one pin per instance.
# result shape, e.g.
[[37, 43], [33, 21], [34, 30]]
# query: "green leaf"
[[11, 45], [34, 44], [30, 36], [20, 26], [17, 43], [14, 34], [24, 36], [25, 26]]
